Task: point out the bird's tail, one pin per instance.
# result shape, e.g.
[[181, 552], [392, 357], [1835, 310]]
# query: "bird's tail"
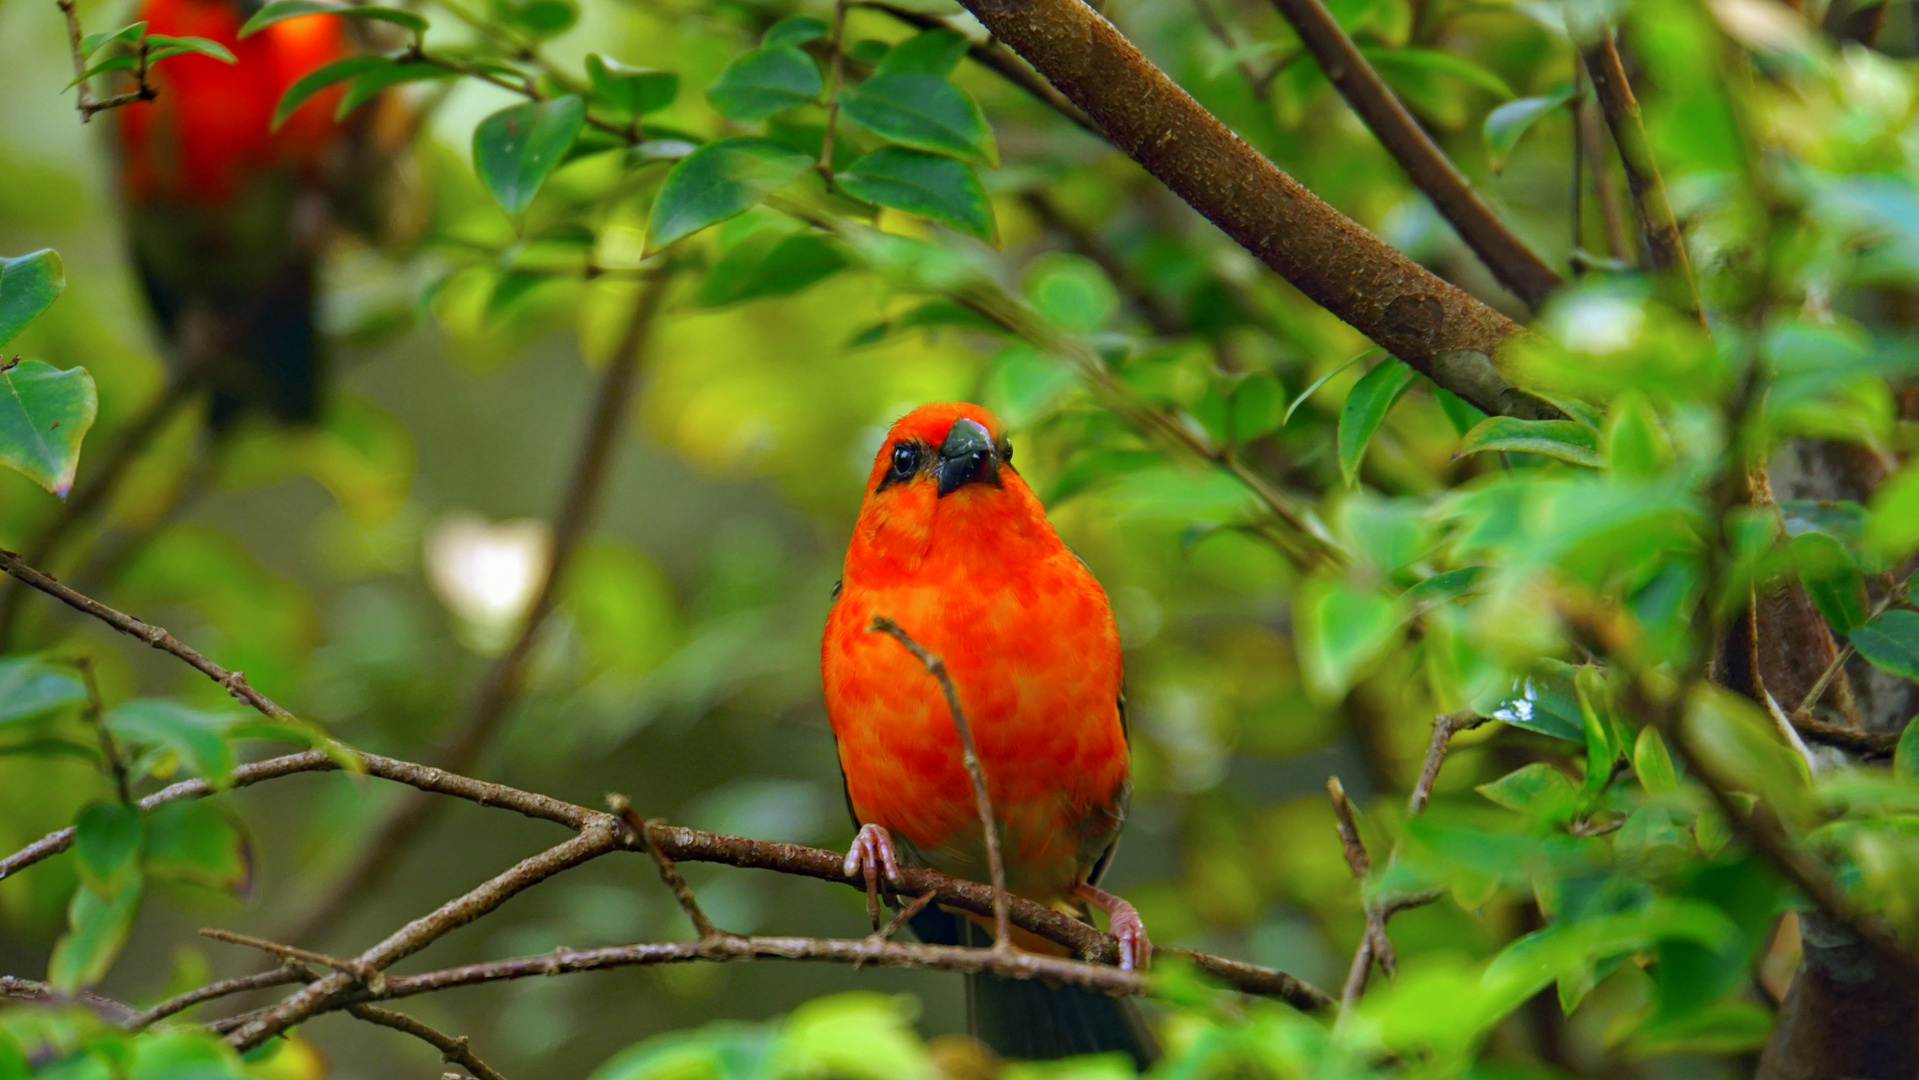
[[1022, 1018]]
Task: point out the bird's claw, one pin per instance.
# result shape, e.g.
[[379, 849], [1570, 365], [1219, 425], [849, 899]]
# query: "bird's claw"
[[870, 856], [1135, 948]]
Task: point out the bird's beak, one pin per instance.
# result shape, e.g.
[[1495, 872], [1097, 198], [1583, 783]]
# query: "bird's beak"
[[967, 456]]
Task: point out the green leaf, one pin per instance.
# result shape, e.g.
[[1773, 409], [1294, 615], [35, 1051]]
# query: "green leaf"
[[117, 62], [1507, 123], [31, 688], [924, 112], [769, 265], [97, 929], [1371, 398], [1567, 440], [98, 40], [1324, 379], [517, 148], [1653, 764], [1892, 528], [322, 77], [635, 89], [930, 52], [1257, 407], [1537, 789], [767, 80], [162, 46], [1341, 629], [29, 284], [931, 186], [280, 10], [793, 30], [107, 839], [367, 86], [1072, 292], [197, 841], [1440, 588], [718, 181], [1546, 703], [1905, 756], [1401, 64], [1832, 579], [541, 18], [44, 414], [1637, 446], [1891, 642], [192, 735], [1462, 414]]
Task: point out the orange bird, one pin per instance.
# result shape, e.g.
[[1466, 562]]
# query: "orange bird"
[[227, 217], [954, 547]]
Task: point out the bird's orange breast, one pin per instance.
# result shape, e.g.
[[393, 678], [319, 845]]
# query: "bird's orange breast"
[[980, 579]]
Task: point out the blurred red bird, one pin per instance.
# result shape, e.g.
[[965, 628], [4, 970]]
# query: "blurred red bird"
[[954, 547], [227, 217]]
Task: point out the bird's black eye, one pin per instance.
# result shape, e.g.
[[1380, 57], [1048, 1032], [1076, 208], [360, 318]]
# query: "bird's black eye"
[[1005, 451], [907, 457]]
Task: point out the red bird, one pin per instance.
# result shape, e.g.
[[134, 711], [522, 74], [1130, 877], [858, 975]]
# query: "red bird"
[[227, 217], [954, 547]]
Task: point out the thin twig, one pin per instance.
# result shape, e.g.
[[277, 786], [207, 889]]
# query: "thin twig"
[[96, 715], [836, 72], [1445, 726], [291, 972], [99, 483], [453, 1050], [1002, 938], [233, 682], [1895, 595], [364, 972], [1515, 265], [501, 688], [1665, 248], [108, 1009], [1591, 138], [84, 100], [637, 828], [905, 916]]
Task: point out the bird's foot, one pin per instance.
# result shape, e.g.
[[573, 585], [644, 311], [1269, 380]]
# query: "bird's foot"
[[1135, 948], [870, 856]]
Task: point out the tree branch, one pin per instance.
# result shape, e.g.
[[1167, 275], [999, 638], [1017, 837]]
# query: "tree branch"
[[452, 1050], [408, 818], [291, 972], [106, 1008], [83, 98], [1515, 265], [989, 824], [1665, 248], [1413, 314]]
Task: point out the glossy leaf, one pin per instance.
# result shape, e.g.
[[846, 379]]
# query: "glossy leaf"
[[193, 736], [636, 90], [541, 18], [1891, 642], [97, 929], [929, 52], [924, 112], [107, 839], [1566, 440], [767, 80], [793, 30], [94, 42], [931, 186], [1400, 64], [1537, 789], [1324, 379], [322, 77], [365, 87], [196, 841], [1653, 764], [1832, 579], [31, 688], [1507, 123], [718, 181], [280, 10], [44, 415], [1367, 404], [517, 148], [764, 266], [1546, 703], [29, 284], [163, 46]]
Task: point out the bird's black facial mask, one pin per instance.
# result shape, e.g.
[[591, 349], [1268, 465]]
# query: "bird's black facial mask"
[[968, 456]]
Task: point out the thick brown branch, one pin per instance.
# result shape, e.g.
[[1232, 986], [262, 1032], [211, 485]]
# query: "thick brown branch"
[[1515, 265], [1665, 249], [1413, 314], [452, 1050], [989, 824], [412, 814]]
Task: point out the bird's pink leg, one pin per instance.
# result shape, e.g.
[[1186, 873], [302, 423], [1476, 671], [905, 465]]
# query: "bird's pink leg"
[[1135, 949], [871, 855]]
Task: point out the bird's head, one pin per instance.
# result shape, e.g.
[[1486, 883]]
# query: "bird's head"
[[945, 472]]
